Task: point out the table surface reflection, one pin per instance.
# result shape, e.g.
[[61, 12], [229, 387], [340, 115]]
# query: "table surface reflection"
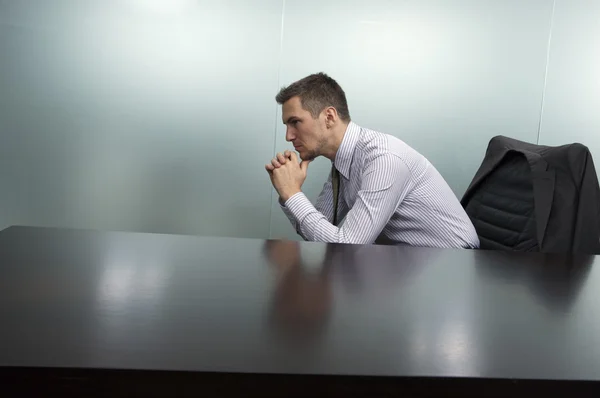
[[78, 299]]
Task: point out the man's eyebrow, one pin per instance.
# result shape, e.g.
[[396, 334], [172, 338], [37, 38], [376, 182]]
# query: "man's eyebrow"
[[290, 119]]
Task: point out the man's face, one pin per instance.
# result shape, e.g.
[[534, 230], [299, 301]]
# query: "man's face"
[[305, 133]]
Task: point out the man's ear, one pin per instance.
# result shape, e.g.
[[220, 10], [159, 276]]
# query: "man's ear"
[[331, 116]]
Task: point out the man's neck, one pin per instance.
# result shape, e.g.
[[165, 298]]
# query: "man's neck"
[[337, 136]]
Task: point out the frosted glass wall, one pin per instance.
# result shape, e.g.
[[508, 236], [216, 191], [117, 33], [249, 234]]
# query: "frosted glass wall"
[[444, 76], [138, 115], [572, 99], [159, 115]]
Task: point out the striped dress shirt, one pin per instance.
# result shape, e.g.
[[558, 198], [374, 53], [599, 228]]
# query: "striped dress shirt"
[[389, 193]]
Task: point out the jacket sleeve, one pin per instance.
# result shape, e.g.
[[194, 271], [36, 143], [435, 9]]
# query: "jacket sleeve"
[[586, 237]]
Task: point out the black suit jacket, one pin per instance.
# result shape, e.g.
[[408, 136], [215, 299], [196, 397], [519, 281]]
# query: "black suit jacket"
[[565, 188]]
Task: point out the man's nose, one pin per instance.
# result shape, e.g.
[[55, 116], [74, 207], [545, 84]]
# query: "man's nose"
[[289, 136]]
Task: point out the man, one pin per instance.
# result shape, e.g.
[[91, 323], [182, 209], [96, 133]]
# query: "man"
[[380, 190]]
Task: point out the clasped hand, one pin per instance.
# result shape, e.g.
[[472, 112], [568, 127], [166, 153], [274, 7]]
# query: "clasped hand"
[[287, 174]]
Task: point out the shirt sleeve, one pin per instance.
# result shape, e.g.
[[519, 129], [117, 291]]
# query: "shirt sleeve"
[[385, 181], [324, 205]]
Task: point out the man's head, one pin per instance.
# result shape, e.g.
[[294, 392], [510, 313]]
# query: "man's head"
[[315, 113]]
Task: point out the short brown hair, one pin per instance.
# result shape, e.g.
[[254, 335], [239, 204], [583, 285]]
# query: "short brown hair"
[[317, 92]]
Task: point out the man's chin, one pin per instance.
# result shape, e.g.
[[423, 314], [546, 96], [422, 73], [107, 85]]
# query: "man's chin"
[[307, 156]]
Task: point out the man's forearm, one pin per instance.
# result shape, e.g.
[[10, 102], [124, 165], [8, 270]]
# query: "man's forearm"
[[291, 217]]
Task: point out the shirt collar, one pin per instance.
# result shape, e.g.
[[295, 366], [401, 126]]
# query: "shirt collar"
[[343, 156]]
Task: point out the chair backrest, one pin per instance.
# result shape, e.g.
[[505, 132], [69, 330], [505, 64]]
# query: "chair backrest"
[[502, 207]]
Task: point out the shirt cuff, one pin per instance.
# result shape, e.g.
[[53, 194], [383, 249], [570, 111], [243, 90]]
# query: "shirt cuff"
[[299, 206]]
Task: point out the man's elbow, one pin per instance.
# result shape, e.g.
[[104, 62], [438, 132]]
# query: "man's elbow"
[[352, 239]]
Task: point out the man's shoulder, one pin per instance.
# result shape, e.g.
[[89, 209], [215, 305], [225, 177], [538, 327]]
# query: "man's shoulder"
[[374, 143]]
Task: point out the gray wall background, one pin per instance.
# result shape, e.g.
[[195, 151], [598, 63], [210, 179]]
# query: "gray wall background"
[[159, 115]]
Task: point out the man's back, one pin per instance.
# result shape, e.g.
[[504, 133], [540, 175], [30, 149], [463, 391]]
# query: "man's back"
[[429, 213]]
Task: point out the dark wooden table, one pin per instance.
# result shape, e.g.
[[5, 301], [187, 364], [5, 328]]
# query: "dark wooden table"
[[121, 314]]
